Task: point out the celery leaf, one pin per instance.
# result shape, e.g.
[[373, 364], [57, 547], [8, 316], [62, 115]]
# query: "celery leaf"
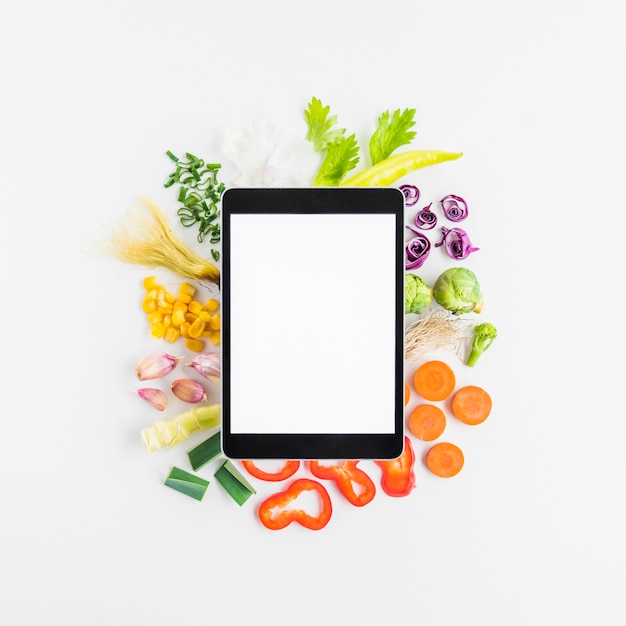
[[320, 125], [341, 156], [393, 131]]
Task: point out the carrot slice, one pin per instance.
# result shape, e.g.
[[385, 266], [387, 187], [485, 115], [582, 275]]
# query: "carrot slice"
[[427, 422], [471, 405], [434, 380], [407, 393], [445, 459]]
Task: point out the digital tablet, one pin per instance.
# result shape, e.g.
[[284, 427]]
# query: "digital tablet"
[[312, 323]]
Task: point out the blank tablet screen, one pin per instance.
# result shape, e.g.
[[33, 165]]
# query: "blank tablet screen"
[[312, 292]]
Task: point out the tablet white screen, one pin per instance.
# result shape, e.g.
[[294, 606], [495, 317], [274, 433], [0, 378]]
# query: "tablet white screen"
[[312, 323]]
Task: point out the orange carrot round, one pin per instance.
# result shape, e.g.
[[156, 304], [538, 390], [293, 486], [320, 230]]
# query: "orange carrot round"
[[407, 393], [427, 422], [434, 380], [471, 405], [445, 459]]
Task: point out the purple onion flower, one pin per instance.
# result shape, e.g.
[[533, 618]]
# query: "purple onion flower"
[[411, 194], [425, 219], [417, 250], [454, 208], [457, 243]]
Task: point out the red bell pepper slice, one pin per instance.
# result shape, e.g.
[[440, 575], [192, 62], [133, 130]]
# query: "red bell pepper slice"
[[399, 474], [285, 516], [288, 470], [346, 474]]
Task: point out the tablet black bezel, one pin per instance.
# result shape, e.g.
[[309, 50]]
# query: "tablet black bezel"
[[323, 200]]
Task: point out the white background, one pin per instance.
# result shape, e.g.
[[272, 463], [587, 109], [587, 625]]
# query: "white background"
[[532, 530]]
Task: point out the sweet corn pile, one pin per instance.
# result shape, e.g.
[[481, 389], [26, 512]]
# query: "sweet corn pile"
[[172, 316]]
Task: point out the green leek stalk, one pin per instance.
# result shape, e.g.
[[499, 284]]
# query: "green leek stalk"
[[184, 482], [234, 483], [168, 433], [206, 451]]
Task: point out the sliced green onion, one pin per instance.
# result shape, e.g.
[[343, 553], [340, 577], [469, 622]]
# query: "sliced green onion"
[[205, 452], [237, 487], [187, 483], [198, 182]]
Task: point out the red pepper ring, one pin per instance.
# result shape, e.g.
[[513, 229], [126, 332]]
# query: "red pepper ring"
[[287, 471], [346, 474], [398, 474], [285, 516]]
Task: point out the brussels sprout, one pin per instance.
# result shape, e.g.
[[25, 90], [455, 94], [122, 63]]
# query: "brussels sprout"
[[457, 289], [417, 294]]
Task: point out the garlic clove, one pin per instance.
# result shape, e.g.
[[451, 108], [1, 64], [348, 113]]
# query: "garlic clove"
[[209, 365], [156, 365], [155, 397], [188, 390]]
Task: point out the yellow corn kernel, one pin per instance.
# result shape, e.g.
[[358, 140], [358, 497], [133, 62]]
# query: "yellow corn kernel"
[[169, 297], [149, 305], [167, 321], [155, 317], [165, 309], [178, 317], [212, 305], [184, 297], [157, 330], [196, 328], [195, 345], [184, 329], [178, 313], [151, 282], [215, 338], [190, 317], [195, 307], [151, 294], [171, 334], [205, 316], [208, 333], [215, 322], [186, 288]]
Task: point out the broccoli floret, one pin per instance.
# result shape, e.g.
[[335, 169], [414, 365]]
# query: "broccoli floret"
[[484, 334]]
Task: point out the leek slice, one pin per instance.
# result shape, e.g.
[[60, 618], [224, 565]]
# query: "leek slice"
[[205, 452], [232, 480], [187, 483]]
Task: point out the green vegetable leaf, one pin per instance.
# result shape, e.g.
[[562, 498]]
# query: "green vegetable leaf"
[[393, 131], [320, 125], [341, 157], [187, 483]]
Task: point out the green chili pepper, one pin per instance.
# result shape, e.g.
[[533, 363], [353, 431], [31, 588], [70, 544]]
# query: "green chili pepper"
[[389, 170]]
